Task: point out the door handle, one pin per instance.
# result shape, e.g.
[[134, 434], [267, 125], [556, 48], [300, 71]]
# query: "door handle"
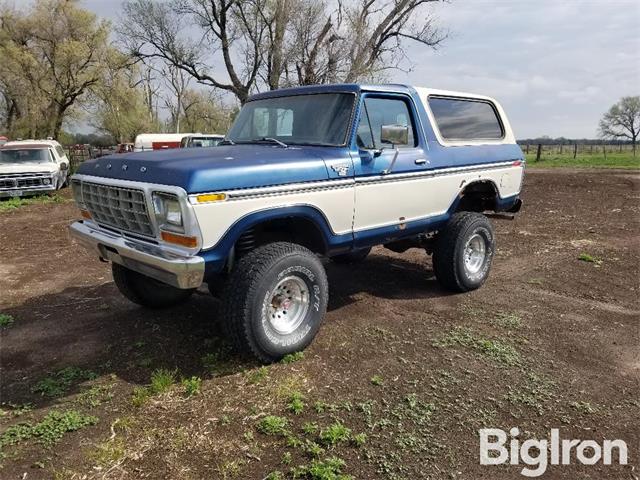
[[421, 161]]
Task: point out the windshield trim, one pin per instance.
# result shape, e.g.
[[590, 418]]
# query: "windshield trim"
[[349, 130]]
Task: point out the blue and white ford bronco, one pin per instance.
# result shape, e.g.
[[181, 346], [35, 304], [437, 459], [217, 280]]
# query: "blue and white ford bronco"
[[304, 173]]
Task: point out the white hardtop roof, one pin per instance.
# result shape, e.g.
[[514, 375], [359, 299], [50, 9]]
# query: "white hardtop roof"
[[425, 91], [32, 143]]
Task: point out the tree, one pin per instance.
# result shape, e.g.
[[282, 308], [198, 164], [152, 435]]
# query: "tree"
[[623, 121], [205, 113], [52, 55], [276, 43], [120, 109]]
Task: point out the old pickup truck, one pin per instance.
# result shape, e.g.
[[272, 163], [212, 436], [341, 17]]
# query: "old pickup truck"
[[304, 174]]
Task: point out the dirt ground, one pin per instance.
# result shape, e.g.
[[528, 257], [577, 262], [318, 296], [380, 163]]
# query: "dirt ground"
[[551, 341]]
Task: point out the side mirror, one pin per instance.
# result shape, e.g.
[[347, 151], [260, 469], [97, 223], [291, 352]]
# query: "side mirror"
[[64, 166], [394, 134]]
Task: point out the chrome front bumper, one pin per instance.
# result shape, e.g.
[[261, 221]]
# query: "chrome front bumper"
[[21, 192], [150, 260]]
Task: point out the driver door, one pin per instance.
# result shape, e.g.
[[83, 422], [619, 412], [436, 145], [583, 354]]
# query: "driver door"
[[385, 198]]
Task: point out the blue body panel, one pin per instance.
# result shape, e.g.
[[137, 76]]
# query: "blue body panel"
[[247, 166]]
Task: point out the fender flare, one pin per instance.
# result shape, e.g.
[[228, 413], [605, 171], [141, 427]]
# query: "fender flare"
[[217, 254]]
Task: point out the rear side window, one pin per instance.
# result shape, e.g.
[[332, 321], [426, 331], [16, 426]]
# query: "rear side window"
[[461, 119], [60, 151]]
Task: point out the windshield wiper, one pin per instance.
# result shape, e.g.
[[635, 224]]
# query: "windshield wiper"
[[272, 140], [226, 141]]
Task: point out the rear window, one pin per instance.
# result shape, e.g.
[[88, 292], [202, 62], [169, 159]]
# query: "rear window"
[[461, 119]]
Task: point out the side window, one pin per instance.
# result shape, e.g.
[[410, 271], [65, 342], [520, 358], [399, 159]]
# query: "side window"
[[52, 157], [462, 119], [386, 111]]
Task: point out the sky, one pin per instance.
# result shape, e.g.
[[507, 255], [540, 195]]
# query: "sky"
[[555, 65]]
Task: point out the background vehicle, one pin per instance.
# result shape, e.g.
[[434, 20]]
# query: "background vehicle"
[[32, 166], [158, 141], [201, 140], [323, 170], [3, 140], [124, 148]]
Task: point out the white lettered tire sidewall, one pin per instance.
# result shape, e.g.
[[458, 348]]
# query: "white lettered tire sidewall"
[[476, 279], [268, 339]]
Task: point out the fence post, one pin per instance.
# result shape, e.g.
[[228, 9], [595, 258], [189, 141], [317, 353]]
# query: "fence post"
[[527, 148], [561, 149], [575, 150], [604, 151], [538, 152]]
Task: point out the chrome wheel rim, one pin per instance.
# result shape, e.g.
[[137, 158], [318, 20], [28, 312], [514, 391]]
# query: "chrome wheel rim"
[[475, 253], [288, 305]]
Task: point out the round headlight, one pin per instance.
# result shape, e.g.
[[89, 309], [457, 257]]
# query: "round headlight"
[[46, 181]]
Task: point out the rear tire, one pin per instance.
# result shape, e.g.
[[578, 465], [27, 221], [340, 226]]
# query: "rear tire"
[[147, 291], [274, 300], [352, 257], [464, 251]]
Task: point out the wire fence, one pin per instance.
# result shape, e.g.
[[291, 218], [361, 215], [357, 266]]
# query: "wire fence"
[[575, 149]]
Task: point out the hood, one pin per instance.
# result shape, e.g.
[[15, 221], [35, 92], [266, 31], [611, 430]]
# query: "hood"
[[215, 168], [24, 167]]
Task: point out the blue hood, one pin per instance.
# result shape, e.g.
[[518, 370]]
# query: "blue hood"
[[216, 168]]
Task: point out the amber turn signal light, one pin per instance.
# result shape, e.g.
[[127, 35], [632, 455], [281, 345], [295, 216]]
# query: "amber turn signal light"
[[182, 240]]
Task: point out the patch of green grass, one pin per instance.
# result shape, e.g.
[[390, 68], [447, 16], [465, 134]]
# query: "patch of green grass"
[[497, 350], [508, 320], [109, 452], [95, 396], [275, 475], [162, 380], [6, 320], [296, 403], [257, 375], [48, 431], [192, 386], [273, 425], [229, 469], [292, 357], [377, 380], [613, 160], [585, 408], [286, 458], [17, 202], [15, 410], [585, 257], [534, 392], [58, 383], [360, 439], [334, 434], [327, 469], [139, 396]]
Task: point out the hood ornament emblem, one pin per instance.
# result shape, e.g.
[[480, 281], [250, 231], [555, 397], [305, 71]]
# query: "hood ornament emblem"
[[124, 168]]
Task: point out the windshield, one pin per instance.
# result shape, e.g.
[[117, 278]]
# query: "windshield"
[[204, 141], [312, 119], [25, 155]]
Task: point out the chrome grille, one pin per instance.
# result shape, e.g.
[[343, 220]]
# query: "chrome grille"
[[118, 207], [23, 180]]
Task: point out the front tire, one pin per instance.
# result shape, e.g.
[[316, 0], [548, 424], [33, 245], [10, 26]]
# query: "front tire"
[[464, 251], [275, 300], [147, 291]]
